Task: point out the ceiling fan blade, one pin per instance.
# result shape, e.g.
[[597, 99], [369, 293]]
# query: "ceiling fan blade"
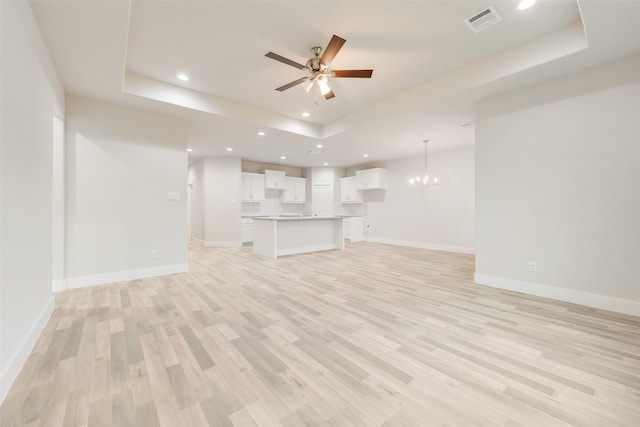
[[284, 60], [366, 74], [292, 84], [334, 46], [329, 95]]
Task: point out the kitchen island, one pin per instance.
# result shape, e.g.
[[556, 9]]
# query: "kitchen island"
[[277, 236]]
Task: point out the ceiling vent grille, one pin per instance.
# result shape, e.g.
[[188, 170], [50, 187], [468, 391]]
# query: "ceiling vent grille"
[[483, 20]]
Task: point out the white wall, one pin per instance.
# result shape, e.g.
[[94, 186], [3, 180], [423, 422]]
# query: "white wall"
[[216, 202], [31, 95], [558, 183], [439, 217], [121, 165]]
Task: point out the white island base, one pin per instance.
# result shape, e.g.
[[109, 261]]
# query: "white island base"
[[278, 236]]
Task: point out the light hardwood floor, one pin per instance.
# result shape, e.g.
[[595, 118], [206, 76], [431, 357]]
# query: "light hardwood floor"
[[374, 335]]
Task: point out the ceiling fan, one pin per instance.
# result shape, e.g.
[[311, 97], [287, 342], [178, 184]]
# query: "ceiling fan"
[[318, 66]]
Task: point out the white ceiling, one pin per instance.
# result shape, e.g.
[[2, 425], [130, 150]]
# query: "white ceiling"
[[429, 68]]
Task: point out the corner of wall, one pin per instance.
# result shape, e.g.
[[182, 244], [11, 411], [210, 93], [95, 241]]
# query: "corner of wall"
[[16, 361]]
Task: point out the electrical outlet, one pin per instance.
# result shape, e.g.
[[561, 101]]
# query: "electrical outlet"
[[533, 266], [154, 253]]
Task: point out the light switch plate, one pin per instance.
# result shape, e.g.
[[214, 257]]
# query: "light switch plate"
[[173, 196]]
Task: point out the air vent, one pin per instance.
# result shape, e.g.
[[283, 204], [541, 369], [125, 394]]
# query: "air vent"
[[483, 20]]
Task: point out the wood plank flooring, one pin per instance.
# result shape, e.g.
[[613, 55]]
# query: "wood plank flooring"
[[374, 335]]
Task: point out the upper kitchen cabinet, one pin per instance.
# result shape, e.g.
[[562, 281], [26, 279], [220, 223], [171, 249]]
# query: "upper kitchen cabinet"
[[252, 187], [322, 176], [348, 191], [274, 180], [371, 179], [295, 190]]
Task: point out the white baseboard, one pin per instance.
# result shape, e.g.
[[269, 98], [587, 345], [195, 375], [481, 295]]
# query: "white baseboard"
[[618, 305], [22, 352], [220, 244], [120, 276], [306, 249], [58, 285], [423, 245]]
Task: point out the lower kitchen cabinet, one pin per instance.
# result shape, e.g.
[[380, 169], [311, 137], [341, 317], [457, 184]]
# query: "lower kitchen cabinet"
[[353, 227]]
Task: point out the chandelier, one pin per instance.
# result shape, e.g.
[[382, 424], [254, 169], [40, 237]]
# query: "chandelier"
[[424, 180]]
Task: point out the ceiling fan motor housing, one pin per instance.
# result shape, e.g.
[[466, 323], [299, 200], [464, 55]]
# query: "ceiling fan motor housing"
[[314, 65]]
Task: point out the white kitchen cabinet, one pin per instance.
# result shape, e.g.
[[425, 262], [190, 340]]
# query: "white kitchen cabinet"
[[252, 187], [348, 191], [246, 226], [322, 176], [322, 200], [354, 228], [274, 180], [295, 190], [371, 179]]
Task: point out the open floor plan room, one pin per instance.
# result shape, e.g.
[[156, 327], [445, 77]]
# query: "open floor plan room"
[[376, 335]]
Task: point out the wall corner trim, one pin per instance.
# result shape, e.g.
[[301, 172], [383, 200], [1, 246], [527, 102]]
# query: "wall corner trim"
[[603, 302], [19, 357]]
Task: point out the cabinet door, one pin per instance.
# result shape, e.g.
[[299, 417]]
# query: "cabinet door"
[[252, 187], [295, 190], [322, 200], [371, 179], [257, 186], [348, 191], [346, 228], [274, 180]]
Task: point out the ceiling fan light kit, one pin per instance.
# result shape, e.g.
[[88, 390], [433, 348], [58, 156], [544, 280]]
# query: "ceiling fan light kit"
[[318, 67]]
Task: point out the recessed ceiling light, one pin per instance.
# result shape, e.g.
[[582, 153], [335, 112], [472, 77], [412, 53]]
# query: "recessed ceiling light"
[[183, 77], [305, 114], [326, 164], [526, 4], [319, 146], [260, 133], [189, 150], [229, 149], [283, 157], [365, 155]]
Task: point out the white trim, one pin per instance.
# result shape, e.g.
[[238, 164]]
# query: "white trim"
[[222, 244], [22, 352], [58, 285], [619, 305], [306, 249], [120, 276], [423, 245]]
